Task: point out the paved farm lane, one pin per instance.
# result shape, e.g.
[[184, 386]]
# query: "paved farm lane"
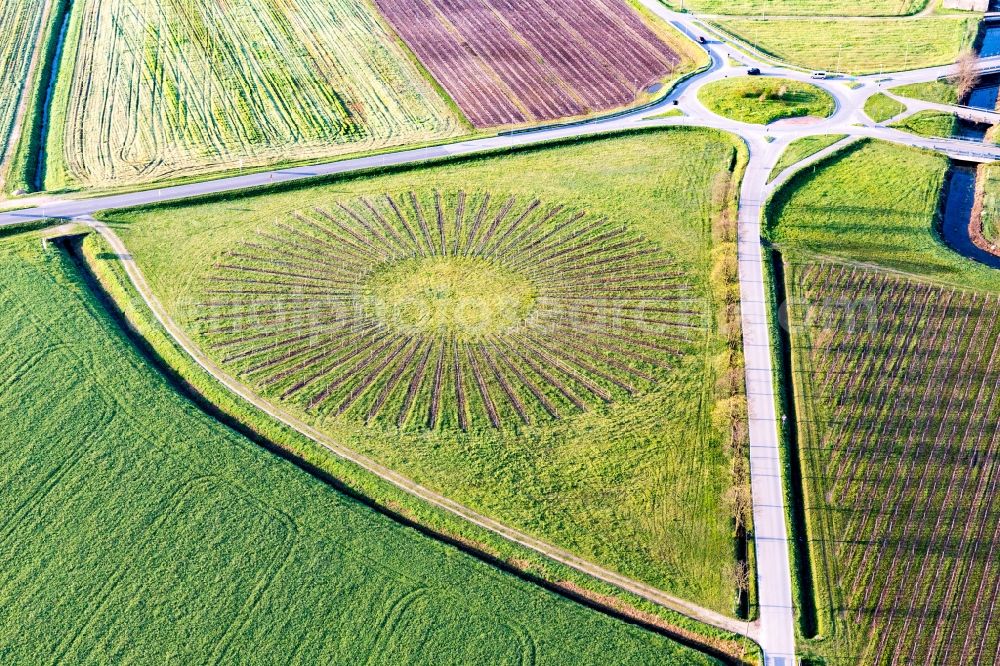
[[777, 636]]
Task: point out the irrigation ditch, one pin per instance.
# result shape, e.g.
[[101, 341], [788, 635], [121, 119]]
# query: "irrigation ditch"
[[958, 219], [28, 160], [50, 87], [71, 246]]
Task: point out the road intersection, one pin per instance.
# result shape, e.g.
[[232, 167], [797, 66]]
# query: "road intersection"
[[774, 629]]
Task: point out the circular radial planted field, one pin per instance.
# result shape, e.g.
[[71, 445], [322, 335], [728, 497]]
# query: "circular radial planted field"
[[457, 311]]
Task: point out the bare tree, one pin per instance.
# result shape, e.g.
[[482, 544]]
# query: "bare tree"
[[966, 74], [739, 576], [738, 499]]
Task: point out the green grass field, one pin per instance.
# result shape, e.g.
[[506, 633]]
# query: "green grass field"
[[800, 149], [804, 7], [929, 123], [893, 347], [881, 107], [135, 525], [846, 213], [640, 482], [859, 47], [241, 83], [19, 26], [763, 100], [941, 92]]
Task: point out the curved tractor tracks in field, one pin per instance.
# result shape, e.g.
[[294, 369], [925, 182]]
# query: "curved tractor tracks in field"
[[774, 630]]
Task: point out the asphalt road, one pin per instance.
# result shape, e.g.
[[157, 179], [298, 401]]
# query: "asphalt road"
[[775, 628]]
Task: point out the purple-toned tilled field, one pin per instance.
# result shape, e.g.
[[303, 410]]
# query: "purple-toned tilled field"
[[507, 62]]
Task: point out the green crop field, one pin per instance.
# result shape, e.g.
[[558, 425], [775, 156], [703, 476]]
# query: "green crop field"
[[238, 83], [137, 526], [591, 403], [19, 25], [859, 46], [804, 7], [800, 149], [881, 107], [894, 348], [764, 100], [929, 123]]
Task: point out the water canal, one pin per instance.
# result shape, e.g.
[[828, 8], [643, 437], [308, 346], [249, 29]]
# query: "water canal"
[[956, 217]]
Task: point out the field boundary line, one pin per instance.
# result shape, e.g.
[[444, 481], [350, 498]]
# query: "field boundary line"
[[648, 592]]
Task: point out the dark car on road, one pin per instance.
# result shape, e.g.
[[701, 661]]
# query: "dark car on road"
[[753, 71]]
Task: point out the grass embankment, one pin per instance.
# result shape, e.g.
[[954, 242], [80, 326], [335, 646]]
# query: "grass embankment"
[[934, 124], [883, 313], [763, 100], [800, 149], [881, 107], [211, 101], [139, 525], [940, 91], [844, 212], [659, 455], [805, 7], [859, 47]]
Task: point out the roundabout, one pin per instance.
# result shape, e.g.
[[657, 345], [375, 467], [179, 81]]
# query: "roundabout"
[[764, 100]]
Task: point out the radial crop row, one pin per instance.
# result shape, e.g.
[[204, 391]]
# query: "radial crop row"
[[901, 440], [459, 311]]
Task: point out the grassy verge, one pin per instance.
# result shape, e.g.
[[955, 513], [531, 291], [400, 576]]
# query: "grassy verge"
[[110, 464], [693, 56], [934, 124], [858, 47], [988, 183], [800, 149], [809, 625], [763, 100], [804, 7], [881, 107], [16, 229], [940, 91], [672, 113]]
